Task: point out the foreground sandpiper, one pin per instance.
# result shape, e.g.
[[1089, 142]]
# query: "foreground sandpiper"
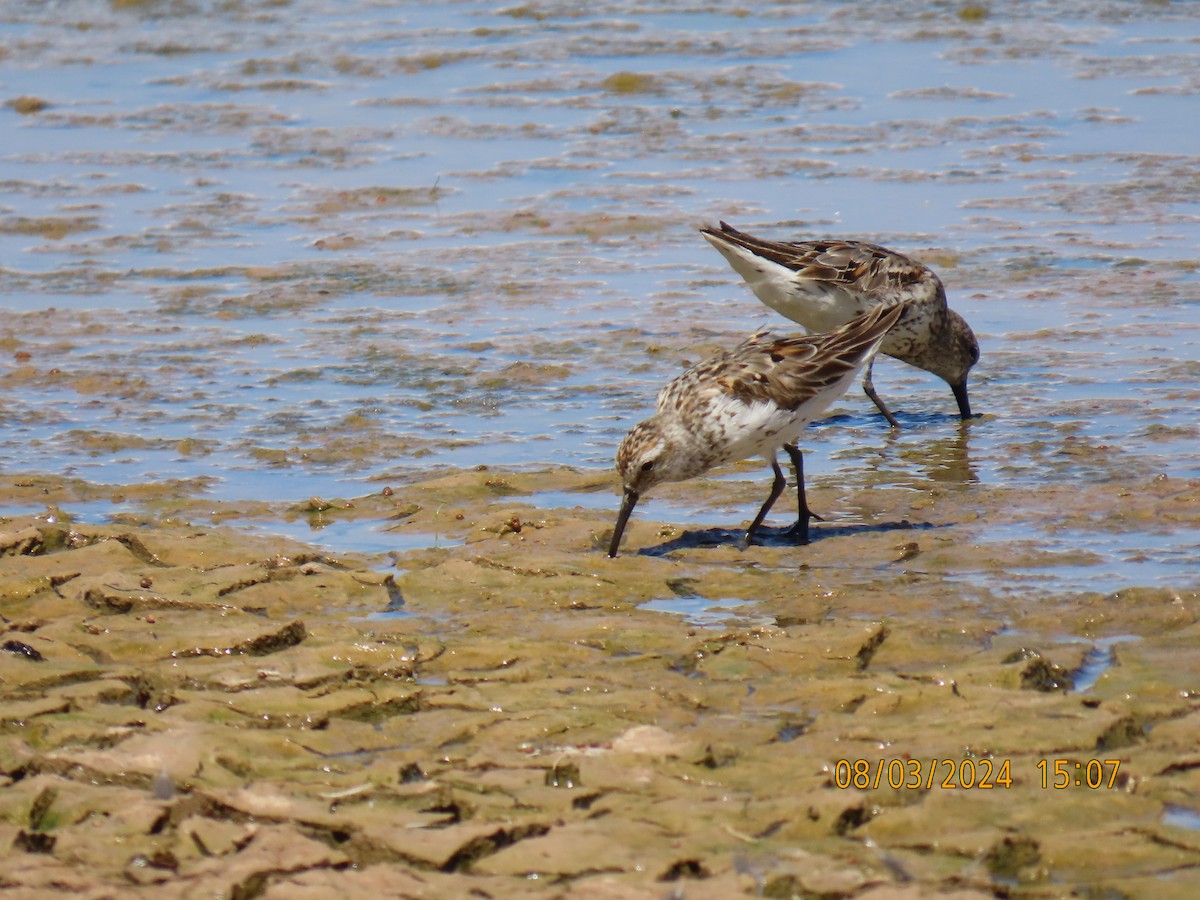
[[751, 400], [824, 284]]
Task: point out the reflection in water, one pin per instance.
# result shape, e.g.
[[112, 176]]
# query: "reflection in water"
[[945, 460], [924, 450]]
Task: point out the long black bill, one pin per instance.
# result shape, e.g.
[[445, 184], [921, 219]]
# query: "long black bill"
[[964, 404], [628, 502]]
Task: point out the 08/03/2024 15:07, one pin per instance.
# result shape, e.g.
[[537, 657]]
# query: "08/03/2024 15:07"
[[982, 774]]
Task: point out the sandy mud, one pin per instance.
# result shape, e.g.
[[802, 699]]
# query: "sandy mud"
[[191, 711]]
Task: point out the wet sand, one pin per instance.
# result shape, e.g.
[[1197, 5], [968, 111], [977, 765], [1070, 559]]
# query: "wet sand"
[[191, 711]]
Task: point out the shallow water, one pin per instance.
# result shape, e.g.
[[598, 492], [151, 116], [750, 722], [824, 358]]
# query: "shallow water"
[[300, 249], [704, 613], [1182, 817]]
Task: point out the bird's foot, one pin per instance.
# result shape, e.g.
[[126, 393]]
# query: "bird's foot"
[[799, 531]]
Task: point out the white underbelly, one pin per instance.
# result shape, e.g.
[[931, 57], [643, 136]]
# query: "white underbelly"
[[742, 430], [818, 308]]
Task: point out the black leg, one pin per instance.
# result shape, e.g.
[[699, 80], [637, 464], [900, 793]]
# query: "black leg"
[[777, 487], [800, 529], [869, 386]]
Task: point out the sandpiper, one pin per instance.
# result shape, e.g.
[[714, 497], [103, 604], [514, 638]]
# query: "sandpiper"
[[824, 284], [751, 400]]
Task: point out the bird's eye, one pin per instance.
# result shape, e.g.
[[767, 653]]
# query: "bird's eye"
[[648, 465]]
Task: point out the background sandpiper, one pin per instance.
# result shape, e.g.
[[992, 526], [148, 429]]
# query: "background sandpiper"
[[824, 284]]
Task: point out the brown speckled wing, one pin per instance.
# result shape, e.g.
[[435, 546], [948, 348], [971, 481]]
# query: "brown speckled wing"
[[790, 371], [857, 267]]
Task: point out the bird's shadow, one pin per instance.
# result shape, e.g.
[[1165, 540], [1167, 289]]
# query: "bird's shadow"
[[776, 537]]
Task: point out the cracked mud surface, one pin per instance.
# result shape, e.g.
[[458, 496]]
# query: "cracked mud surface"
[[188, 710]]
